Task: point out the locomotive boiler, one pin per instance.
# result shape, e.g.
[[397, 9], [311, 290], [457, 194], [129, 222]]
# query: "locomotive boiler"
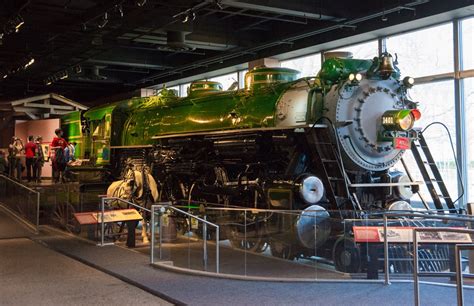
[[320, 148]]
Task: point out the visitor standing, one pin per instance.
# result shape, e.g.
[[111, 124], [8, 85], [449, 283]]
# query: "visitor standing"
[[39, 158], [30, 159], [58, 145], [15, 150]]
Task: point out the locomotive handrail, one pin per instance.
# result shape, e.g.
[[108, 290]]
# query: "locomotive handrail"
[[30, 190], [417, 183]]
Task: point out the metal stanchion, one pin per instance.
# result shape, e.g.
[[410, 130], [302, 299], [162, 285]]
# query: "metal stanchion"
[[102, 224], [385, 250], [415, 268], [37, 211], [217, 249], [152, 248], [160, 222], [459, 280], [204, 234]]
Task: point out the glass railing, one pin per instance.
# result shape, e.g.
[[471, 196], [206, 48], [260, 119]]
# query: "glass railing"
[[21, 200], [61, 202], [310, 244]]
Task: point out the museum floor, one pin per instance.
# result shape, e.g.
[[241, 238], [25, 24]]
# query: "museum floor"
[[55, 268]]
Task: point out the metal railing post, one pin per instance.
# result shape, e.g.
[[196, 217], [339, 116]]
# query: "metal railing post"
[[152, 221], [102, 224], [385, 248], [160, 222], [37, 212], [217, 249], [415, 268], [204, 234], [459, 280]]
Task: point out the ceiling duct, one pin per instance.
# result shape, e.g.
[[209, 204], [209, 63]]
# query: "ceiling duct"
[[92, 73], [175, 42]]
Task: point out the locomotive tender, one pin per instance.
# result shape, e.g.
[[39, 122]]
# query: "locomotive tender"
[[320, 146]]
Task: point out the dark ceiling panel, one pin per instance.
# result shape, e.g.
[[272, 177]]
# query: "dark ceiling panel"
[[90, 49]]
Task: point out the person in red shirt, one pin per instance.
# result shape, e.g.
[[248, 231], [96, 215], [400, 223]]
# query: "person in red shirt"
[[30, 153], [59, 159]]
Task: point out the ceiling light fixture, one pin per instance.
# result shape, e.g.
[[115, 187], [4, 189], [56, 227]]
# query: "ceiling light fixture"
[[63, 75], [190, 15], [119, 10], [77, 69], [140, 2], [18, 22], [29, 62], [103, 22]]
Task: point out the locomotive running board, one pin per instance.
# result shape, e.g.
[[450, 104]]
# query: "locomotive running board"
[[240, 131]]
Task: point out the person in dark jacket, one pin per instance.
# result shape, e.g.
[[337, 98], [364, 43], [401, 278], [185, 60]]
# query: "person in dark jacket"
[[39, 158], [3, 163], [30, 159]]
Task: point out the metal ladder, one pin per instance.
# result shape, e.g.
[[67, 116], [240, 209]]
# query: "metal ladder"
[[420, 148], [326, 158]]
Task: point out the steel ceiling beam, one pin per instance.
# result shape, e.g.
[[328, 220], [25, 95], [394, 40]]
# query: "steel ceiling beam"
[[302, 9]]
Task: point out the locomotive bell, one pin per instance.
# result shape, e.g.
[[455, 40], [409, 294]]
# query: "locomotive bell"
[[386, 67]]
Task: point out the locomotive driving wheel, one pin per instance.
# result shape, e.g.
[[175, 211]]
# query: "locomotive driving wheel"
[[282, 250], [239, 241], [346, 255]]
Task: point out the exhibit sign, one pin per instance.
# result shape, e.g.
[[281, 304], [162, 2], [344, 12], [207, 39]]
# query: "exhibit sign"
[[402, 234], [119, 215]]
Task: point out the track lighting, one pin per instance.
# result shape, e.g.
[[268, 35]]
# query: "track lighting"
[[13, 25], [219, 4], [103, 22], [140, 2], [119, 9], [77, 69], [63, 75], [29, 63], [188, 16]]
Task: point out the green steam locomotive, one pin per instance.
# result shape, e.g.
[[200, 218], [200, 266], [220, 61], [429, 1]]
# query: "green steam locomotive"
[[321, 146]]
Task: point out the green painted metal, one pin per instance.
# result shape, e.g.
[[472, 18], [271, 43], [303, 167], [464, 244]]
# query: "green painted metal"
[[216, 111], [139, 121], [335, 70], [72, 128]]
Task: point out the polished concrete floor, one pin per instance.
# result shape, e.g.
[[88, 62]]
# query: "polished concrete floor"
[[52, 268], [32, 274]]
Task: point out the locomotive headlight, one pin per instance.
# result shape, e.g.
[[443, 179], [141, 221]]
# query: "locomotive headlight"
[[408, 81], [400, 120], [355, 77]]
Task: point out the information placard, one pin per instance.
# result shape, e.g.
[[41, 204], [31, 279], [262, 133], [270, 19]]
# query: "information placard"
[[119, 215], [404, 234]]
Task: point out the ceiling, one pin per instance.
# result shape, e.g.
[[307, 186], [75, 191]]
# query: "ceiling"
[[86, 50]]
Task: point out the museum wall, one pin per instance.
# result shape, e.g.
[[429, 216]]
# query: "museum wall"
[[44, 128]]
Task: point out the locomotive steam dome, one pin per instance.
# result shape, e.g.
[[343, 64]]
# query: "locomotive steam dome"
[[263, 76]]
